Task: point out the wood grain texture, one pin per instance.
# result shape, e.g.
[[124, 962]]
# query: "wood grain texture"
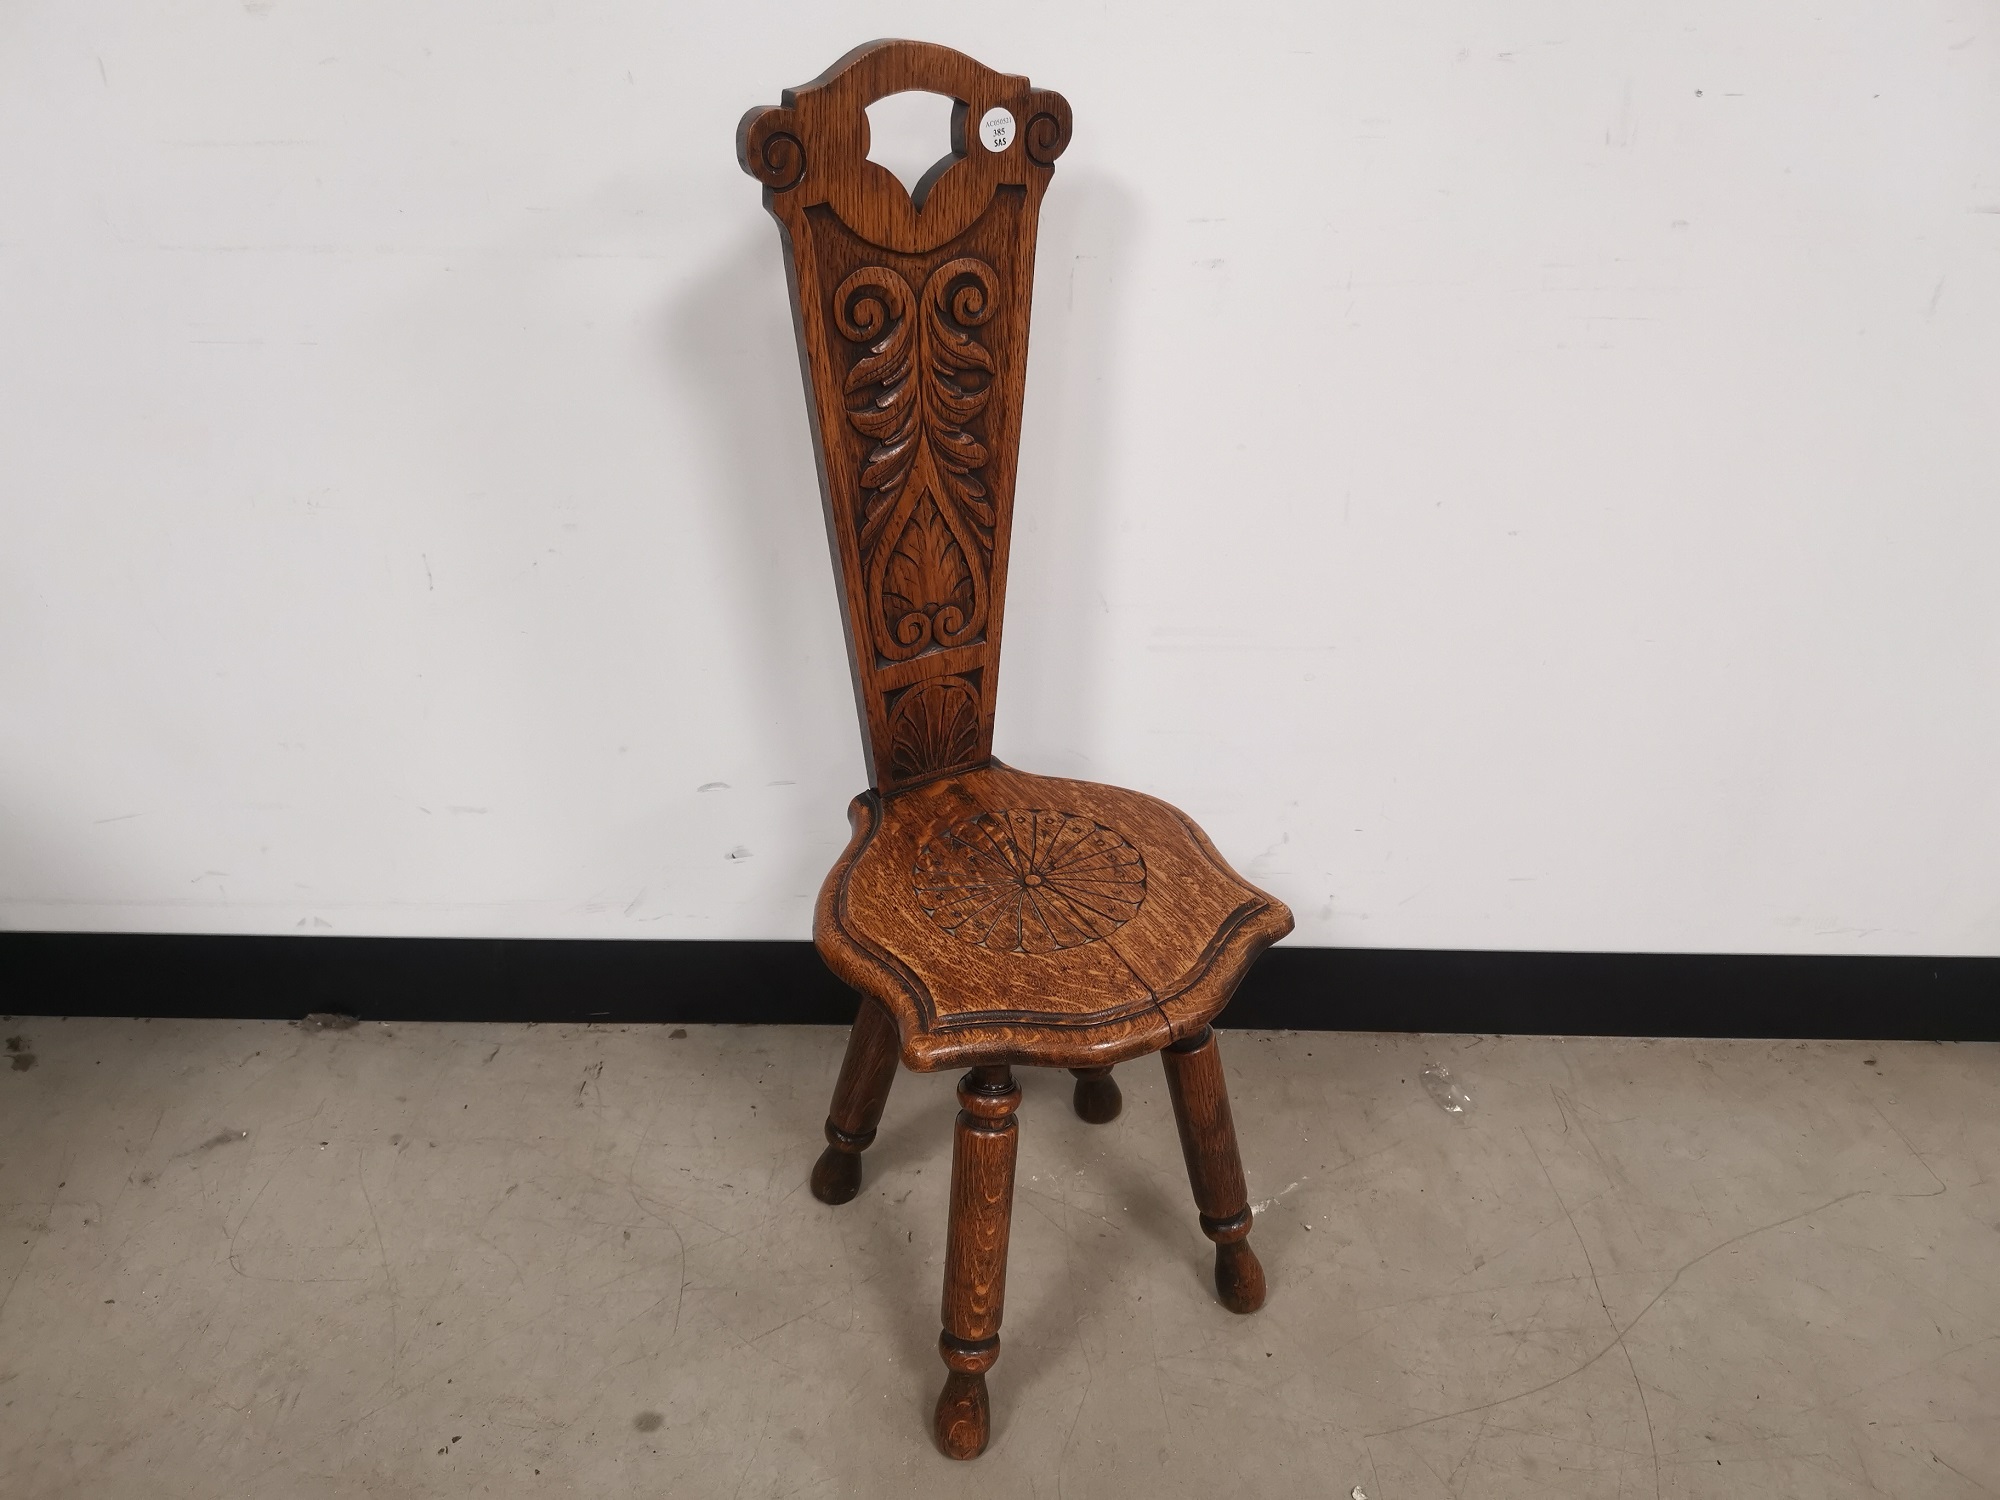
[[1066, 949], [859, 1096], [1214, 1166], [984, 1142]]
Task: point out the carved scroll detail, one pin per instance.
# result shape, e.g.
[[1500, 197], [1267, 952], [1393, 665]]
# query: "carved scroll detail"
[[769, 149], [1030, 881], [926, 519], [1046, 135]]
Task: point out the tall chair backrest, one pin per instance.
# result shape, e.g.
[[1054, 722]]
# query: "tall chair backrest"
[[912, 317]]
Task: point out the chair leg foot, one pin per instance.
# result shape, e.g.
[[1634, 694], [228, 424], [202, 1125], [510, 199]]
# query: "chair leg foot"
[[858, 1098], [975, 1255], [1239, 1275], [1215, 1169], [836, 1176], [964, 1418], [1097, 1098]]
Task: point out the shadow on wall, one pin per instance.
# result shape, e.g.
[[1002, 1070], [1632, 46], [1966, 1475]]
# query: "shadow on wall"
[[43, 866], [1058, 602], [728, 335]]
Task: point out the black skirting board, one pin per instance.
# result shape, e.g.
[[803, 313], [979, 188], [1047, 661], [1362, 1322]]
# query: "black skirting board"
[[775, 982]]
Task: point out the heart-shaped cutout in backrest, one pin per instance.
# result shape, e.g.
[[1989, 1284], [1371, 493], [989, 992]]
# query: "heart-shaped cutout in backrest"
[[909, 134]]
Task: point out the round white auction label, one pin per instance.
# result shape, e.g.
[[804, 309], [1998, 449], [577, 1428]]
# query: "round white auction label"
[[996, 129]]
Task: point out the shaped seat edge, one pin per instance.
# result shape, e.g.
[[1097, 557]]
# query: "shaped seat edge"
[[926, 1047]]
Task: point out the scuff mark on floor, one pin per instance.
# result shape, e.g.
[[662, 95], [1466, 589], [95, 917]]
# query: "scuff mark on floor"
[[1272, 1201]]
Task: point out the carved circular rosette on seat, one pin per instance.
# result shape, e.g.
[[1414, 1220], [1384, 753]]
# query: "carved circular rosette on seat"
[[934, 725], [1030, 881], [769, 149]]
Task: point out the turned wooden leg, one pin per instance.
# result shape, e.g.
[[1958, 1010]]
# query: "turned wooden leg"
[[1097, 1098], [1208, 1141], [975, 1254], [865, 1075]]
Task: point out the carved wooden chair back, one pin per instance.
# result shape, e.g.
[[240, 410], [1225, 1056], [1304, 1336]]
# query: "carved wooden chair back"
[[912, 312]]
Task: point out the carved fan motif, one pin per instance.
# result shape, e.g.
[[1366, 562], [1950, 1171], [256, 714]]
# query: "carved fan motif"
[[926, 518], [936, 725], [1030, 882]]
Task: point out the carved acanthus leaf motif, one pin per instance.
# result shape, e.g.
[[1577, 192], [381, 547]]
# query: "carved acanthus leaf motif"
[[927, 575], [926, 519]]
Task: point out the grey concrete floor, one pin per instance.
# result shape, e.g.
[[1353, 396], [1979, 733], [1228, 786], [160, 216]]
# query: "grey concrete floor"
[[253, 1260]]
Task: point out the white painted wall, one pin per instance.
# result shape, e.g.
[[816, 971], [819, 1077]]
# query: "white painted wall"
[[1523, 475]]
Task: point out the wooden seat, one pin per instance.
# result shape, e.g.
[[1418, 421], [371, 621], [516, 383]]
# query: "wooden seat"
[[1003, 917], [988, 917]]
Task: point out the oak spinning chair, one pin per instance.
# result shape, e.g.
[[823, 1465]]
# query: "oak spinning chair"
[[986, 916]]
